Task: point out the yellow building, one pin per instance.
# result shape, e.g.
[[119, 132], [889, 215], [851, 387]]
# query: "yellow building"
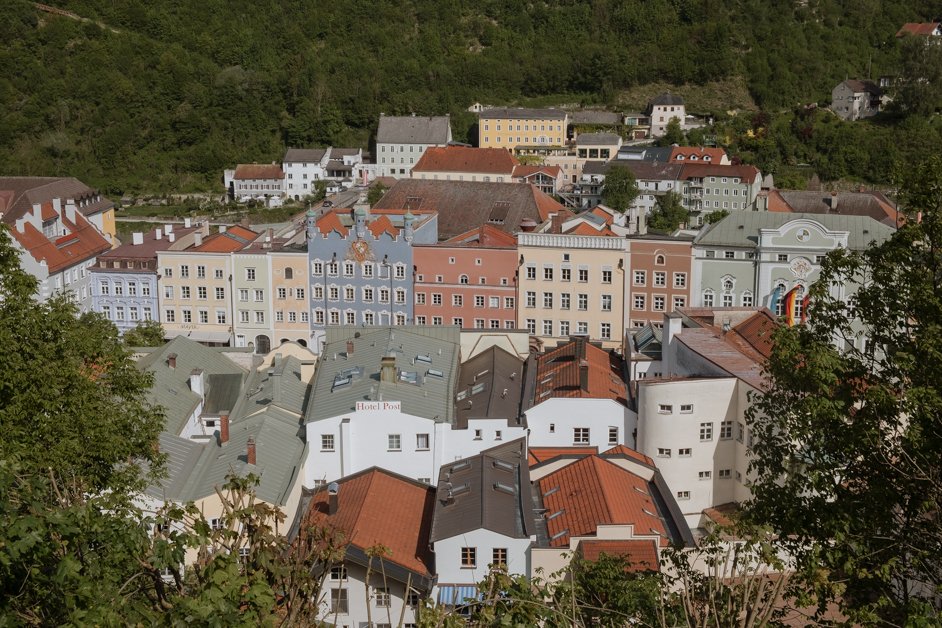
[[291, 301], [572, 284], [520, 130]]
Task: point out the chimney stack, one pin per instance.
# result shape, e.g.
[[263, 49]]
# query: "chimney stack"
[[70, 210], [333, 494], [584, 375], [832, 202], [158, 234], [137, 238], [250, 451], [349, 348], [527, 225], [186, 223], [387, 371], [172, 360], [557, 223], [224, 429], [198, 239]]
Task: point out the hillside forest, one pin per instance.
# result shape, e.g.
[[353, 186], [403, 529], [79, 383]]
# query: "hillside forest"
[[161, 96]]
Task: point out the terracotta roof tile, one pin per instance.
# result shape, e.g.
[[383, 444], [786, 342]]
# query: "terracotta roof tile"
[[716, 155], [81, 242], [621, 450], [537, 455], [586, 229], [466, 159], [594, 492], [330, 222], [485, 235], [379, 507], [226, 242], [872, 204], [640, 554], [383, 225], [560, 373], [258, 171], [918, 28]]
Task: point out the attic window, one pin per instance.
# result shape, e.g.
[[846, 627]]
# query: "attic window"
[[477, 388], [641, 490], [555, 514], [501, 464], [459, 466], [559, 535], [424, 358], [411, 377], [340, 381], [462, 395], [504, 488], [436, 373], [460, 489], [648, 512]]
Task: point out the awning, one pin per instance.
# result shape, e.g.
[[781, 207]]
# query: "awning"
[[457, 594], [199, 335]]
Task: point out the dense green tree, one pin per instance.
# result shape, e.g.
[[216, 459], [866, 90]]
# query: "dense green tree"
[[673, 134], [376, 192], [621, 188], [920, 82], [716, 216], [149, 333], [669, 213], [848, 441]]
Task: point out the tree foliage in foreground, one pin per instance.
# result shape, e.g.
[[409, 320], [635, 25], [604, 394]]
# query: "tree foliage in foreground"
[[149, 333], [621, 188], [849, 435], [669, 213]]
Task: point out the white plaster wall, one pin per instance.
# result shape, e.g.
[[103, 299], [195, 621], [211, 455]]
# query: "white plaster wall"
[[359, 597], [448, 556], [563, 414]]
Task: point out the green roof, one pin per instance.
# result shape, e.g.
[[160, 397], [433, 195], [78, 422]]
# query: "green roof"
[[426, 361], [741, 229]]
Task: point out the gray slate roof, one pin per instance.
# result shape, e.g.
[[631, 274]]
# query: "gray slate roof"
[[597, 139], [504, 113], [413, 130], [490, 386], [741, 229], [667, 99], [591, 116], [489, 491], [423, 393], [304, 155]]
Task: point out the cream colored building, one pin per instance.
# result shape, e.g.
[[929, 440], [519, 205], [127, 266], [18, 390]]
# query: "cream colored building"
[[516, 129], [572, 285], [195, 295], [290, 285]]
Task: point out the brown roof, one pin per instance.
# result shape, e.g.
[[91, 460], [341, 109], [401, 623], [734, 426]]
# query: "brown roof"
[[872, 204], [382, 225], [463, 205], [233, 239], [863, 86], [589, 229], [579, 369], [523, 172], [19, 194], [466, 159], [377, 507], [81, 241], [258, 171], [622, 450], [716, 155], [150, 245], [538, 455], [490, 491], [494, 395], [918, 28], [640, 554], [594, 492], [484, 236], [700, 170], [644, 170]]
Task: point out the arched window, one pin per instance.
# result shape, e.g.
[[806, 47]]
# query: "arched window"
[[728, 283], [747, 299], [289, 273], [708, 298], [463, 279], [659, 260], [262, 344]]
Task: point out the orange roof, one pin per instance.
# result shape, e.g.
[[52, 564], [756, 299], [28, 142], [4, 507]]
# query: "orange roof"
[[604, 215], [233, 239], [685, 153], [586, 229], [258, 171], [383, 225], [536, 455], [547, 205], [242, 232], [594, 492], [621, 450], [918, 28], [466, 159], [640, 554], [330, 222], [560, 373], [522, 172], [873, 204], [485, 235], [377, 507], [81, 242]]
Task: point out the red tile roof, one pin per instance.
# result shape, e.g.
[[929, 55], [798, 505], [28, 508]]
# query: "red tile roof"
[[330, 222], [594, 492], [699, 170], [485, 236], [716, 155], [918, 28], [81, 242], [377, 507], [466, 159], [640, 554], [547, 205], [383, 225], [258, 171], [537, 455], [587, 229], [621, 450], [873, 204], [562, 371], [233, 239]]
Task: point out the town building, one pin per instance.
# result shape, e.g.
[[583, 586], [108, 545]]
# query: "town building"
[[123, 281], [290, 287], [376, 509], [577, 397], [692, 419], [572, 282], [922, 29], [517, 129], [385, 396], [699, 154], [483, 519], [57, 243], [873, 204], [856, 99], [597, 146], [751, 259], [402, 140], [464, 205], [464, 163], [361, 264], [258, 182], [468, 281], [659, 275], [709, 187], [664, 108], [639, 125], [547, 179]]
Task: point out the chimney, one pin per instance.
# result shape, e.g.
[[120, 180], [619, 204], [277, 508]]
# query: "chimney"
[[204, 227], [186, 223], [584, 375], [557, 226], [70, 210], [527, 225], [57, 205], [387, 371], [275, 375], [171, 237], [159, 233], [333, 495], [172, 360], [196, 382], [168, 229], [250, 451], [224, 429], [349, 348], [137, 238], [222, 228], [198, 239], [832, 202]]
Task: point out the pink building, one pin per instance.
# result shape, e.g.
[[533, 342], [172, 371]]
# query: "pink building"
[[469, 280], [658, 278]]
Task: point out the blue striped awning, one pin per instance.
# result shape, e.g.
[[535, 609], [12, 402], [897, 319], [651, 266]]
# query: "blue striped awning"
[[457, 594]]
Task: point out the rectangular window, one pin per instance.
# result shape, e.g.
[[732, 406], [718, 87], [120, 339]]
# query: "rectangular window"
[[639, 277], [531, 299], [564, 328], [338, 573], [706, 431], [508, 303], [457, 300], [243, 295], [565, 273], [145, 289], [204, 316], [740, 431], [685, 452], [436, 298], [580, 436], [184, 271], [613, 436], [725, 474], [726, 430], [338, 602], [531, 272], [547, 328], [493, 302], [169, 315], [394, 442], [663, 453], [327, 442], [680, 280], [499, 557], [184, 292], [220, 317], [220, 293], [583, 302], [679, 302], [683, 494], [665, 409], [531, 325], [250, 274], [282, 294], [639, 302], [421, 442], [657, 303], [705, 475], [259, 295], [548, 300], [606, 303], [686, 408], [382, 597], [469, 557], [584, 275], [606, 276], [201, 292], [201, 272], [660, 278], [187, 316]]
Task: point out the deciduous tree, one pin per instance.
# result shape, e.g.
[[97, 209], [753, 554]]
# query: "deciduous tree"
[[621, 188]]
